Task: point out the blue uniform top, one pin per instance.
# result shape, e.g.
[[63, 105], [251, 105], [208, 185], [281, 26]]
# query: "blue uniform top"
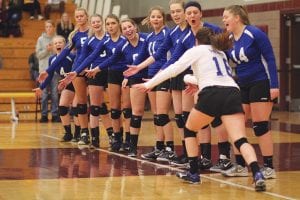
[[254, 57], [77, 42], [126, 53], [152, 44], [86, 58], [170, 42], [188, 41], [65, 66]]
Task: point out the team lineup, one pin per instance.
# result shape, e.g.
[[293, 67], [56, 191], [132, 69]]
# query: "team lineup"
[[187, 66]]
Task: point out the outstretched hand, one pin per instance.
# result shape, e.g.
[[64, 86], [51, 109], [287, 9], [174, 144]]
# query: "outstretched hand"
[[38, 92], [132, 70], [67, 80], [91, 73], [42, 76]]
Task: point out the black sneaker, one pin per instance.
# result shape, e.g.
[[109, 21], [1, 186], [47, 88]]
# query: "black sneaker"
[[55, 119], [181, 161], [204, 163], [116, 144], [76, 138], [67, 137], [84, 139], [44, 119], [95, 142], [132, 152], [166, 155], [152, 155], [126, 146], [223, 164], [187, 176]]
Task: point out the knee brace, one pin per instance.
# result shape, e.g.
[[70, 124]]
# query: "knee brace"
[[82, 109], [63, 110], [216, 122], [179, 120], [103, 109], [74, 111], [127, 112], [163, 119], [238, 143], [188, 133], [115, 113], [135, 121], [95, 110], [185, 115], [260, 128], [155, 120]]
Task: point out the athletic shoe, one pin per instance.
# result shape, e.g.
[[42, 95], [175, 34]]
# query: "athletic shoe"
[[110, 139], [223, 164], [187, 176], [84, 139], [152, 155], [95, 142], [116, 145], [181, 161], [235, 171], [76, 138], [132, 152], [67, 137], [166, 155], [259, 182], [268, 172], [55, 119], [204, 163], [125, 147], [44, 119]]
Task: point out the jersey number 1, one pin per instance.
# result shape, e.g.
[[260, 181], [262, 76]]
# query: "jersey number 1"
[[219, 70]]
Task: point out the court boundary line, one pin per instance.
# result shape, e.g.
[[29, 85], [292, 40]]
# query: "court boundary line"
[[181, 170]]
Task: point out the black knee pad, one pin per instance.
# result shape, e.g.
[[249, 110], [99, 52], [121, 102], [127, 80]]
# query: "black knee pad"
[[82, 109], [127, 112], [216, 122], [189, 133], [63, 110], [179, 120], [204, 127], [103, 109], [155, 120], [260, 128], [163, 119], [185, 116], [238, 143], [95, 110], [115, 114], [74, 111], [136, 121]]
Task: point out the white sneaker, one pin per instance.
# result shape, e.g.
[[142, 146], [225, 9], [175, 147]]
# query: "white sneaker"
[[235, 171], [31, 17], [268, 172], [40, 17]]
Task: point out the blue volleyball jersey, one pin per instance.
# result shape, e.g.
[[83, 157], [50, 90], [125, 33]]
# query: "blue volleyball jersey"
[[126, 53], [188, 41], [253, 54], [90, 54], [152, 44], [65, 66], [170, 42], [77, 42]]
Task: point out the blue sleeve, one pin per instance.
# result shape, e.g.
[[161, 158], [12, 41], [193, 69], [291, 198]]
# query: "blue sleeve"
[[164, 48], [178, 52], [64, 53], [89, 59], [115, 57], [47, 81], [266, 49]]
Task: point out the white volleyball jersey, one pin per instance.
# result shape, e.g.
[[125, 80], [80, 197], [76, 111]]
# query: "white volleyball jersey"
[[210, 67]]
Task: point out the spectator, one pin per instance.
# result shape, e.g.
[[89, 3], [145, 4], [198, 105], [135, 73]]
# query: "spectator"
[[54, 5], [33, 67], [65, 26], [33, 7], [44, 49]]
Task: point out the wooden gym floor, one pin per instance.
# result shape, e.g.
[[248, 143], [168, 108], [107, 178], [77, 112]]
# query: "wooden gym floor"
[[35, 165]]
